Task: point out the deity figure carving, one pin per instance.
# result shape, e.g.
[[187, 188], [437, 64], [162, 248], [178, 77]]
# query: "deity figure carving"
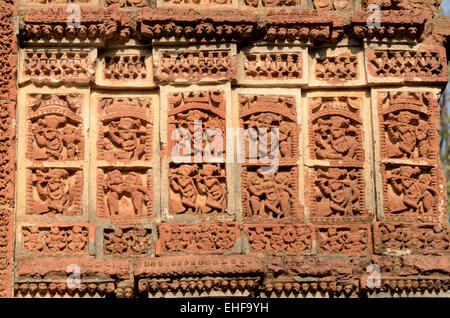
[[410, 190], [270, 126], [337, 192], [55, 191], [125, 129], [126, 242], [273, 66], [55, 128], [125, 193], [198, 119], [270, 195], [196, 189], [336, 129]]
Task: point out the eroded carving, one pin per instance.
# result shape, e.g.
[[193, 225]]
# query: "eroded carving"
[[56, 239], [273, 66], [127, 242], [125, 129], [199, 118], [58, 67], [332, 4], [197, 238], [55, 127], [337, 192], [195, 65], [272, 3], [431, 5], [270, 195], [409, 191], [198, 189], [335, 130], [198, 2], [343, 67], [271, 238], [343, 240], [407, 124], [125, 67], [261, 116], [417, 238], [53, 191], [127, 3], [125, 193]]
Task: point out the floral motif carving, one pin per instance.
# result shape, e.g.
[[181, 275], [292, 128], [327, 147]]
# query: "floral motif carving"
[[127, 241], [53, 191], [125, 129], [271, 238], [198, 2], [417, 238], [198, 189], [273, 66], [55, 127], [56, 67], [343, 67], [56, 239], [268, 195], [335, 132], [197, 238], [272, 3], [195, 65], [124, 193], [348, 240]]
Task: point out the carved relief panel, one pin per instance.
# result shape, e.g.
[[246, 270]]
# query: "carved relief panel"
[[329, 5], [125, 68], [338, 157], [403, 64], [57, 66], [52, 169], [272, 3], [349, 240], [337, 67], [408, 162], [126, 159], [198, 3], [269, 65], [194, 171], [268, 151], [55, 238], [195, 64], [127, 241], [197, 238]]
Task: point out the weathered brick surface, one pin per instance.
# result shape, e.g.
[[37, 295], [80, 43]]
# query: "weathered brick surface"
[[95, 202]]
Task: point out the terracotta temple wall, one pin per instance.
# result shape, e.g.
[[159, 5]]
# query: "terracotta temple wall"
[[94, 204]]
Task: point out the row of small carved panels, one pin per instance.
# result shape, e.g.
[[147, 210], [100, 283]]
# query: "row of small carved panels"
[[214, 25], [316, 4], [255, 66], [312, 4], [55, 288], [197, 238]]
